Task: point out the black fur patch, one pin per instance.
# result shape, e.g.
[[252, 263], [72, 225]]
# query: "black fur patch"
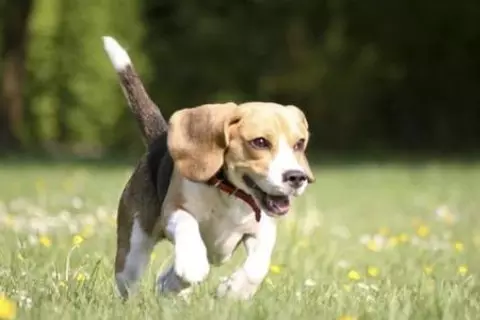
[[160, 165]]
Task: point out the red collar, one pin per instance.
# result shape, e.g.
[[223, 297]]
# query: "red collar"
[[218, 182]]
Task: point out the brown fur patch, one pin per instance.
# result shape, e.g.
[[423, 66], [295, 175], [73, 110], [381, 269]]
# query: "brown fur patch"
[[198, 137]]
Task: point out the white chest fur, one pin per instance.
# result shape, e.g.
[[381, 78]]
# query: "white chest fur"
[[223, 220]]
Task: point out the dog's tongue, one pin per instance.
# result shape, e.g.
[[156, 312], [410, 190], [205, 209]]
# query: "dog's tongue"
[[278, 204]]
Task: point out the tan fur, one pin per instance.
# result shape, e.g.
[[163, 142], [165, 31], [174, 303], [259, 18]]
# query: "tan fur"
[[201, 140], [198, 137]]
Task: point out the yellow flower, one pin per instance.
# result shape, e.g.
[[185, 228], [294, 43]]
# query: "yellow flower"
[[459, 246], [403, 237], [354, 275], [384, 231], [373, 271], [275, 269], [462, 270], [45, 241], [393, 241], [347, 318], [423, 231], [77, 240], [428, 270], [8, 308], [372, 245], [81, 277]]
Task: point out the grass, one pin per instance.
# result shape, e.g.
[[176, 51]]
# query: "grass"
[[367, 241]]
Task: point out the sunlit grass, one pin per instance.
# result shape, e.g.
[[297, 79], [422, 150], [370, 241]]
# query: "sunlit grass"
[[366, 242]]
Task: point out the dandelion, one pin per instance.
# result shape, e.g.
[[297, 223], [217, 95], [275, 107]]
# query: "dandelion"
[[275, 269], [354, 275], [81, 277], [423, 231], [373, 271], [403, 237], [77, 240], [428, 270], [393, 241], [462, 270], [459, 246], [45, 241], [8, 308]]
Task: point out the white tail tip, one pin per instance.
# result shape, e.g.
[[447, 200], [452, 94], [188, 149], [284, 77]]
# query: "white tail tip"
[[118, 56]]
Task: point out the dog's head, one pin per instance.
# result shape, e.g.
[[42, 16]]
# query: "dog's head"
[[260, 146]]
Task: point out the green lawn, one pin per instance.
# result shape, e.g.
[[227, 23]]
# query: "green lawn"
[[366, 242]]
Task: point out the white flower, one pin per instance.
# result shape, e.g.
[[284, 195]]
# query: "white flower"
[[310, 283]]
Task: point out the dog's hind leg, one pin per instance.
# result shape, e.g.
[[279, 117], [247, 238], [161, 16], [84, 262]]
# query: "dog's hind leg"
[[134, 247], [136, 235]]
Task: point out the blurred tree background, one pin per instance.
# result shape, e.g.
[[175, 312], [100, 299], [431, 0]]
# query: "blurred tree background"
[[370, 75]]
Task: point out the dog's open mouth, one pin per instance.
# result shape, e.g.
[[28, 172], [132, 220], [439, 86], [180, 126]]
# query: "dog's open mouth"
[[272, 204]]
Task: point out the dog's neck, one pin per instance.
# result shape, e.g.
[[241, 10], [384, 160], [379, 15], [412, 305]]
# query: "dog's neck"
[[221, 182]]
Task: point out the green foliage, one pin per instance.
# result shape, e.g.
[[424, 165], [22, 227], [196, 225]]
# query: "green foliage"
[[396, 74], [73, 93]]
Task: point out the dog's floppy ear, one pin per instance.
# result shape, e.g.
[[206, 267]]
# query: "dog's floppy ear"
[[198, 137], [302, 158]]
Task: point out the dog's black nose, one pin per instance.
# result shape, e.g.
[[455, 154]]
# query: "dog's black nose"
[[295, 178]]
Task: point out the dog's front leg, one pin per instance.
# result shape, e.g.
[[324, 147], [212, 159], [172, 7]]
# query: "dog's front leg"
[[191, 263], [244, 282]]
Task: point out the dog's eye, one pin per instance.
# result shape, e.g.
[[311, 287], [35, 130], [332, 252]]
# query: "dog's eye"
[[260, 143], [299, 145]]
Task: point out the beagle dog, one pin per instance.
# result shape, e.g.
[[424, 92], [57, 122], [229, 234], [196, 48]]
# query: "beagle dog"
[[213, 177]]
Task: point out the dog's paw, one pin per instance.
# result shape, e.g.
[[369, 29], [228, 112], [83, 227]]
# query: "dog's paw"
[[237, 286], [192, 265], [168, 282]]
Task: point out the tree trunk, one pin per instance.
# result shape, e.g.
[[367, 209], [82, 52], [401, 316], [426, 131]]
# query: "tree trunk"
[[14, 42]]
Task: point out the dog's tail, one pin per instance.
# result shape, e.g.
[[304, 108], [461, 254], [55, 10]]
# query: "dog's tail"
[[149, 118]]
